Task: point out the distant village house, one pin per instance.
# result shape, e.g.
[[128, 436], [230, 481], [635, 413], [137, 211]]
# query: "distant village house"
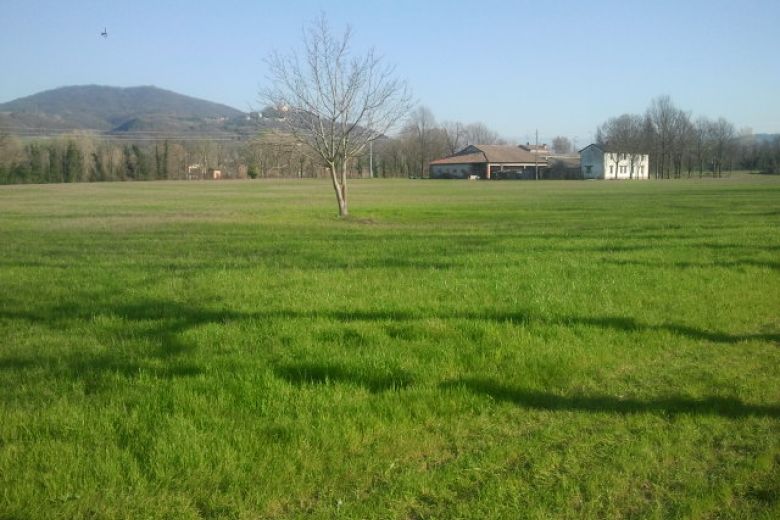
[[539, 149], [199, 172], [482, 161], [600, 163]]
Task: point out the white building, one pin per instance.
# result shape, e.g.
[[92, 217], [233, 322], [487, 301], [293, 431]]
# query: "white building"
[[597, 163]]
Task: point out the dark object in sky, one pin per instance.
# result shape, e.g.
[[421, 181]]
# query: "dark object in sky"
[[104, 34]]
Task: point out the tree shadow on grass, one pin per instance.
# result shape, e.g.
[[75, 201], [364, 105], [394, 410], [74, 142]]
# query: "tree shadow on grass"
[[630, 324], [100, 372], [301, 374], [170, 319], [618, 323], [17, 363], [158, 350], [673, 405], [107, 363], [724, 264], [161, 326]]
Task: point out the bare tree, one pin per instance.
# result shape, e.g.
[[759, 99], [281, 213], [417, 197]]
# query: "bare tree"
[[722, 134], [662, 114], [561, 145], [478, 133], [681, 140], [625, 135], [420, 125], [336, 102], [455, 136], [701, 132]]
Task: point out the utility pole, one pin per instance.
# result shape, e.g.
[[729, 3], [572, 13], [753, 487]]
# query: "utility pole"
[[371, 159], [536, 155]]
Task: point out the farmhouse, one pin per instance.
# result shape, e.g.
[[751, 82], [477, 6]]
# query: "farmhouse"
[[602, 162], [488, 161]]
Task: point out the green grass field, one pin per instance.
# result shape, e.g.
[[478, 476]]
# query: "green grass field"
[[453, 350]]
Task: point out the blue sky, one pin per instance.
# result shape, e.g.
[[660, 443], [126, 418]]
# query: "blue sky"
[[562, 67]]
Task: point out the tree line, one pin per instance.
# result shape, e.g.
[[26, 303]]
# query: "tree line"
[[680, 145], [81, 157], [85, 157]]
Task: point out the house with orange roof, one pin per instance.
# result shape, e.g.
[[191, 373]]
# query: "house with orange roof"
[[489, 161]]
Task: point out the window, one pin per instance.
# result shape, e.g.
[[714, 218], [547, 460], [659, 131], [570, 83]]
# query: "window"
[[611, 168]]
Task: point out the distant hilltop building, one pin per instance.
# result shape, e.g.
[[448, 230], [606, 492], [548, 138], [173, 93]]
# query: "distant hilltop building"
[[489, 161], [275, 112], [538, 149], [604, 162]]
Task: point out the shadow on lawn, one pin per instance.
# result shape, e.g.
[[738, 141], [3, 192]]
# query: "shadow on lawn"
[[673, 405], [730, 264], [162, 323], [607, 322], [102, 371], [160, 352], [374, 381]]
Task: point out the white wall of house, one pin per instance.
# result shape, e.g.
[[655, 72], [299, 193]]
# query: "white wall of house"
[[626, 166], [597, 164]]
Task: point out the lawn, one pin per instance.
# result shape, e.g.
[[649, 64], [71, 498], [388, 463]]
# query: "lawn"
[[453, 350]]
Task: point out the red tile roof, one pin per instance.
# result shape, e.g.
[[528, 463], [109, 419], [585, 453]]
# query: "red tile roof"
[[468, 158], [492, 153]]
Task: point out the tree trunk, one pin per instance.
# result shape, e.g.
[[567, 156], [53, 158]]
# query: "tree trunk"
[[343, 211], [340, 190]]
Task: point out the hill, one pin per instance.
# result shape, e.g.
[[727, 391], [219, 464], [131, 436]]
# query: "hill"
[[758, 139], [116, 109]]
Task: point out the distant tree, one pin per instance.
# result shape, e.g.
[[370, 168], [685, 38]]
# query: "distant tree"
[[72, 164], [98, 172], [682, 140], [701, 143], [161, 160], [561, 145], [113, 161], [135, 163], [391, 155], [421, 141], [420, 126], [624, 134], [747, 149], [455, 136], [769, 156], [675, 142], [35, 154], [662, 113], [478, 133], [336, 102], [55, 164], [722, 134], [11, 154]]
